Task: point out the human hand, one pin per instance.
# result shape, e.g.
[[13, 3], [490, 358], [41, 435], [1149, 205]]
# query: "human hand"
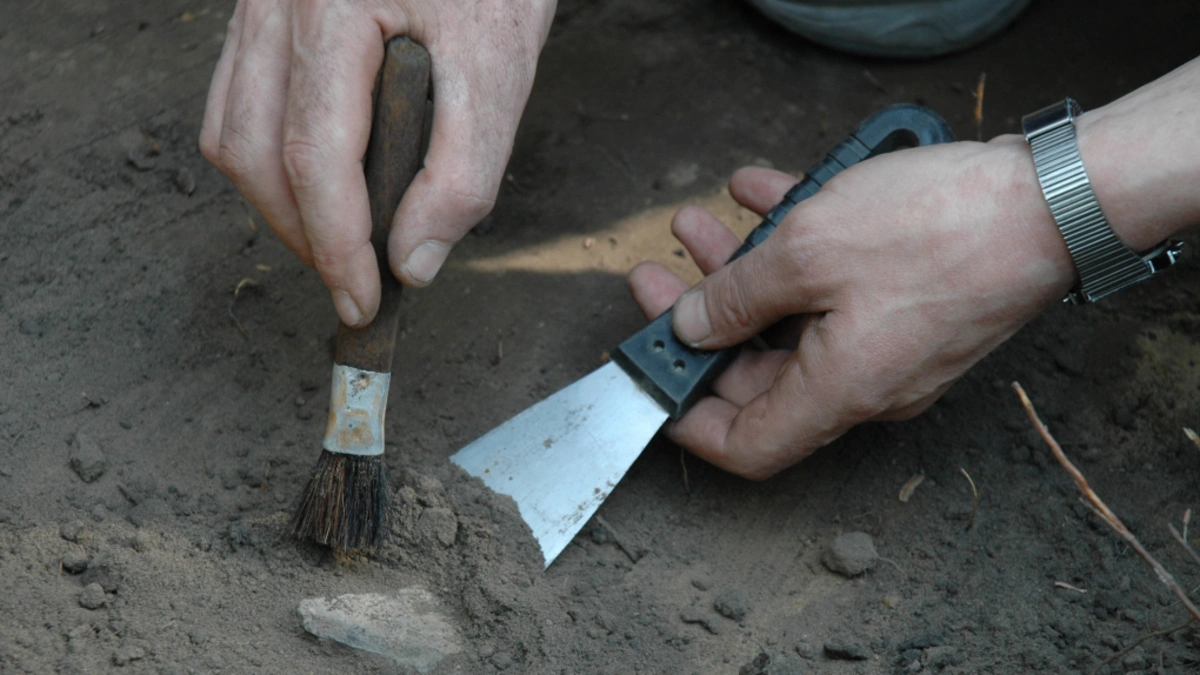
[[289, 115], [878, 292]]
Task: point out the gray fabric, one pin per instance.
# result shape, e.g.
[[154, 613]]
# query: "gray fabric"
[[894, 28]]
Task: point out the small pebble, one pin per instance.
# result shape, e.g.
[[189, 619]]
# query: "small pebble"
[[92, 596], [71, 530], [845, 651], [75, 561], [851, 554], [124, 655], [86, 459], [185, 181], [731, 604]]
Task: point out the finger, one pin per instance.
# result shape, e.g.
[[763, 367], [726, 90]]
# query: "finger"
[[326, 127], [250, 145], [741, 299], [813, 399], [474, 124], [706, 238], [218, 91], [759, 189], [750, 374], [655, 288]]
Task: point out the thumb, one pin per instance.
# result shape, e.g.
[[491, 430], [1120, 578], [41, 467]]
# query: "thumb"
[[739, 300]]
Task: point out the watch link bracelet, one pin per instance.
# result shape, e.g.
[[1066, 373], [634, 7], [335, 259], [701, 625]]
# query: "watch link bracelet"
[[1105, 265]]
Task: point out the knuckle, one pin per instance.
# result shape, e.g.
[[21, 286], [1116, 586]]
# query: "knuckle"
[[302, 162], [469, 197], [328, 259], [232, 156]]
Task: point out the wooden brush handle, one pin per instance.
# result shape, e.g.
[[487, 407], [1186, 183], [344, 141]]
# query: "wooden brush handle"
[[392, 160]]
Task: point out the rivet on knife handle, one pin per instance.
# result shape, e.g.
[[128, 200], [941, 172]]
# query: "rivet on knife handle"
[[676, 375]]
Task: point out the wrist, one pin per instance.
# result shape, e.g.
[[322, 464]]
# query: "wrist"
[[1140, 152], [1144, 189], [1028, 215]]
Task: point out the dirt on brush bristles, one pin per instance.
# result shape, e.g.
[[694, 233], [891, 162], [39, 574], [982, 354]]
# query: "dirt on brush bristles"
[[346, 503]]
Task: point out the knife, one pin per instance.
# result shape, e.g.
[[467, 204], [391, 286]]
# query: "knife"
[[560, 458]]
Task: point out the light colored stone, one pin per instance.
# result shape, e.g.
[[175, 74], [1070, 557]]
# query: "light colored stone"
[[406, 626], [682, 174], [87, 460], [851, 554], [92, 596]]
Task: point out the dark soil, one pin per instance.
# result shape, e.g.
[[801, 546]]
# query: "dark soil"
[[150, 450]]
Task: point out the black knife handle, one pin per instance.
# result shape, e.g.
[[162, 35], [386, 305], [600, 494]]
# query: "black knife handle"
[[677, 375]]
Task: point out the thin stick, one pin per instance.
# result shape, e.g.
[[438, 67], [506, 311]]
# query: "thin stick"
[[246, 282], [1184, 543], [1069, 587], [1139, 641], [974, 499], [1102, 509]]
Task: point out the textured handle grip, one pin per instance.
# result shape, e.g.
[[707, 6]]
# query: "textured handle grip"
[[677, 375], [392, 160]]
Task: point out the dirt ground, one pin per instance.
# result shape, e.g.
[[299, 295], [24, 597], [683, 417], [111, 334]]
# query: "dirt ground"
[[149, 446]]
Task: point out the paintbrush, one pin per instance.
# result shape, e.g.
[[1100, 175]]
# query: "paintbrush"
[[346, 503]]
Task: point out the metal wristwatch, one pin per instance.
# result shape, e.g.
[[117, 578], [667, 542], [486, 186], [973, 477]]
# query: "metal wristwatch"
[[1105, 265]]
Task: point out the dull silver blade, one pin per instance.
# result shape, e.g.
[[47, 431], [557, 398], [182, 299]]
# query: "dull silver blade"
[[560, 458]]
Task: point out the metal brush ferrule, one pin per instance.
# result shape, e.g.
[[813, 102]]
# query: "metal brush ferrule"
[[357, 405]]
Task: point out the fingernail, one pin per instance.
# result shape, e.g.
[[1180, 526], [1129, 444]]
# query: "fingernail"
[[423, 263], [346, 308], [690, 318]]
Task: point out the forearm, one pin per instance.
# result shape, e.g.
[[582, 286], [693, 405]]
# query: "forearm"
[[1142, 154]]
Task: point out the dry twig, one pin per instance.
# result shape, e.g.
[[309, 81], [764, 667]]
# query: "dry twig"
[[1101, 509], [1136, 643], [1182, 539], [910, 486], [1065, 586], [244, 283], [974, 499], [1192, 436]]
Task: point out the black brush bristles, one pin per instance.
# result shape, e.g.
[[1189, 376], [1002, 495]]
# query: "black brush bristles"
[[346, 504]]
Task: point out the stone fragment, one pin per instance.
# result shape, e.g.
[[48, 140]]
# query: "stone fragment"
[[102, 569], [805, 649], [75, 561], [841, 650], [125, 655], [87, 460], [681, 175], [92, 596], [406, 625], [185, 182], [731, 604], [851, 554], [71, 530], [774, 663]]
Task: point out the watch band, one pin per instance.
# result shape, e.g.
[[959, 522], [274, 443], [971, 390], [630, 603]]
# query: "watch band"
[[1105, 265]]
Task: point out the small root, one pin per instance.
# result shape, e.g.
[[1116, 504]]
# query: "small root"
[[974, 499]]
